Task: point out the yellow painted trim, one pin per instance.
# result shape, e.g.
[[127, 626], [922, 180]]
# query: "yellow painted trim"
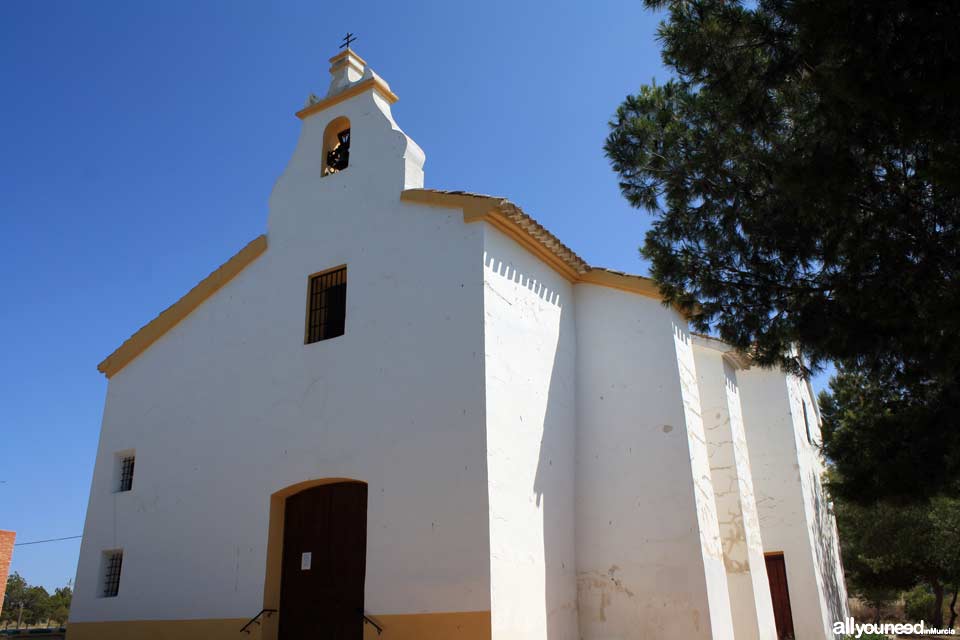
[[489, 209], [203, 629], [622, 281], [451, 625], [460, 625], [351, 62], [475, 209], [506, 226], [471, 204], [347, 52], [628, 282], [370, 83], [154, 330]]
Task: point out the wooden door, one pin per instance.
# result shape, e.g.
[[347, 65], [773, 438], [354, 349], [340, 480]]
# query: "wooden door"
[[780, 594], [324, 563]]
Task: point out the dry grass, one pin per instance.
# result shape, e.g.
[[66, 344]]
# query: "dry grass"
[[863, 613]]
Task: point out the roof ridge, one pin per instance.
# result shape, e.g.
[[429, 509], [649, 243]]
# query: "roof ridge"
[[500, 212], [525, 222]]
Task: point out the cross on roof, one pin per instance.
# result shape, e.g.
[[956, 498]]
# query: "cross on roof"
[[347, 39]]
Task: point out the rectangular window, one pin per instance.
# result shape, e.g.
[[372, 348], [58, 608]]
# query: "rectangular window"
[[112, 562], [126, 473], [326, 305]]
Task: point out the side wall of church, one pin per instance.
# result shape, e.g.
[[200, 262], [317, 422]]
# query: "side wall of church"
[[530, 357], [794, 515], [648, 554], [822, 528], [747, 580], [231, 406]]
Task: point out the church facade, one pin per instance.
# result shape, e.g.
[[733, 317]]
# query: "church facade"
[[412, 413]]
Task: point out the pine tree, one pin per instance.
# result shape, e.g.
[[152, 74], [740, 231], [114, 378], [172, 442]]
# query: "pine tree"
[[803, 170]]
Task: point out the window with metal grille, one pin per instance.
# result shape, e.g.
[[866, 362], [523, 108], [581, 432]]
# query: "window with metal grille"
[[326, 305], [126, 473], [112, 562]]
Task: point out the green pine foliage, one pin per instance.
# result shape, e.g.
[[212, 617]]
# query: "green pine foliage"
[[802, 167], [888, 548]]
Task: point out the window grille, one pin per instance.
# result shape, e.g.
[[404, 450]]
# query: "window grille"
[[111, 575], [126, 473], [327, 305]]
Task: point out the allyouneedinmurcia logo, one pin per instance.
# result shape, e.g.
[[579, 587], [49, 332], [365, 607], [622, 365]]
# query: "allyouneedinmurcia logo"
[[850, 628]]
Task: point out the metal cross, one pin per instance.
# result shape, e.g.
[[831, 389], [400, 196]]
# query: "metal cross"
[[347, 39]]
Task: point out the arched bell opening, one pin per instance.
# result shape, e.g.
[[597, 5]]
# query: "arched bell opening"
[[336, 146]]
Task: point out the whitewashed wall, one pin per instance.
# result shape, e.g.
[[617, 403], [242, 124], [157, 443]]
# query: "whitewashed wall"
[[794, 517], [531, 447], [822, 529], [230, 405], [750, 602], [648, 555], [530, 355]]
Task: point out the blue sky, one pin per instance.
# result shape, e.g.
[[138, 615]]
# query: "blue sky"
[[140, 142]]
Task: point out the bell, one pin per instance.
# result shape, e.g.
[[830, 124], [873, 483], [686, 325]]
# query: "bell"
[[339, 157]]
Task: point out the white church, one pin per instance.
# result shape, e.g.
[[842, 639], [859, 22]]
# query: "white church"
[[405, 413]]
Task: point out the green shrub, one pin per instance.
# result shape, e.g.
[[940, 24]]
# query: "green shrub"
[[918, 603]]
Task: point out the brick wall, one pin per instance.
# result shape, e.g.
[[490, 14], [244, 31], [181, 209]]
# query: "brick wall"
[[6, 554]]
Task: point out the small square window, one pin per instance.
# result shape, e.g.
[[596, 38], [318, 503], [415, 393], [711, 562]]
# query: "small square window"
[[112, 563], [326, 305], [126, 472]]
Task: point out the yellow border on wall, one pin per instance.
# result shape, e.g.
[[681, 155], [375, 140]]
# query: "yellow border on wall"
[[449, 625], [347, 52], [499, 213], [543, 245], [202, 629], [374, 83], [453, 625], [154, 330]]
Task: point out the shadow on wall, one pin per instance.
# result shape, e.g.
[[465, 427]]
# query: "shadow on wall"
[[826, 547], [553, 485], [554, 488], [510, 272]]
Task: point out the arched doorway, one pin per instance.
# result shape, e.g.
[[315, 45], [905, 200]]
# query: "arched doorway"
[[323, 562]]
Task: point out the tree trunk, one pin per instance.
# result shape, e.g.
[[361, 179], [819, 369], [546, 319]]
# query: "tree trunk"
[[953, 606], [937, 619]]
